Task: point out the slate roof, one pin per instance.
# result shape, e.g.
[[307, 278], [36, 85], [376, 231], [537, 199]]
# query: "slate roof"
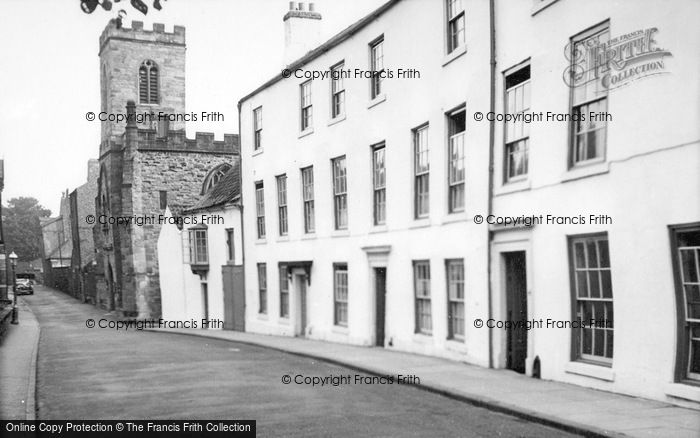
[[226, 191]]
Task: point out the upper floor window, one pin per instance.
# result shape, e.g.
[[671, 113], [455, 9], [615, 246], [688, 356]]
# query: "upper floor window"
[[376, 56], [455, 25], [197, 239], [340, 193], [307, 189], [214, 176], [148, 82], [257, 128], [379, 184], [260, 208], [421, 169], [517, 132], [455, 155], [588, 95], [337, 91], [282, 203], [306, 106]]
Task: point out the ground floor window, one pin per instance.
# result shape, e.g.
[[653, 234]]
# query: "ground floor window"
[[421, 285], [686, 254], [455, 298], [262, 287], [340, 294], [284, 292], [592, 298]]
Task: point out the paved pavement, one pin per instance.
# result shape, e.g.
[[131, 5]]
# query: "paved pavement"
[[18, 352], [105, 374]]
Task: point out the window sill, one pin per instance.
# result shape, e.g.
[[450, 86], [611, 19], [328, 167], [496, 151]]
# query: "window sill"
[[456, 345], [513, 187], [308, 236], [340, 330], [686, 392], [420, 223], [423, 338], [262, 316], [307, 131], [600, 372], [261, 241], [460, 216], [283, 239], [340, 233], [456, 53], [376, 229], [586, 170], [257, 152], [337, 119], [284, 320], [376, 101]]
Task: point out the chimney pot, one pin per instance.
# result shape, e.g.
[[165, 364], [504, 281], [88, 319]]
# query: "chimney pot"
[[292, 6], [302, 6], [312, 7]]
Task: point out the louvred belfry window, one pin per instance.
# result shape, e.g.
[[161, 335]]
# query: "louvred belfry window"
[[148, 82]]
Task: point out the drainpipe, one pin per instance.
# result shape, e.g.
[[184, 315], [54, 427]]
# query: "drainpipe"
[[240, 210], [492, 127]]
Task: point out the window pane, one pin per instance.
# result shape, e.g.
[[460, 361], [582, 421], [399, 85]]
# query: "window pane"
[[606, 283], [593, 284], [599, 342], [688, 265], [592, 253]]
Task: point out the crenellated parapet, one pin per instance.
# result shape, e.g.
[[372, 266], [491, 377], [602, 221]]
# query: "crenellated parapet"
[[176, 140], [137, 33]]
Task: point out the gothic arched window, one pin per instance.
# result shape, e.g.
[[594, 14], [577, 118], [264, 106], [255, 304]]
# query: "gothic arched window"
[[214, 177], [148, 82]]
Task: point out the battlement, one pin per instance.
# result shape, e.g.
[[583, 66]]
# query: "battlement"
[[176, 140], [138, 33]]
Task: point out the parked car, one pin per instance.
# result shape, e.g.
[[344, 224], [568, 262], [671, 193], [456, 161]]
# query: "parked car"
[[25, 286]]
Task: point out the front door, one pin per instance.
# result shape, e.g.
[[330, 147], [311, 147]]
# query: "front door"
[[380, 293], [300, 288], [234, 297], [516, 309]]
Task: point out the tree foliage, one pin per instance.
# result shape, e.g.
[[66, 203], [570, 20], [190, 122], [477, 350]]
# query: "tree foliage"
[[21, 227]]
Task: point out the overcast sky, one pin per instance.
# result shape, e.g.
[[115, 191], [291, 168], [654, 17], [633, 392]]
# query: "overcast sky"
[[49, 75]]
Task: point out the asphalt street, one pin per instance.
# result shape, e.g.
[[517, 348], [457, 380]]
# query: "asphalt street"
[[100, 373]]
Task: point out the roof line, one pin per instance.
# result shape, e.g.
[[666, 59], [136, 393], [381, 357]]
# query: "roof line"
[[325, 47]]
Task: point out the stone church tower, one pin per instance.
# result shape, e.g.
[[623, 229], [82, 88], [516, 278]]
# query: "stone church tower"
[[146, 164]]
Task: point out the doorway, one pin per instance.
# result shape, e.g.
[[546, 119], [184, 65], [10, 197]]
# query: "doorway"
[[380, 307], [300, 289], [516, 309]]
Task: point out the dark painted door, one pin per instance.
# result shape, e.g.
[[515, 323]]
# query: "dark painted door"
[[380, 292], [516, 302], [234, 297]]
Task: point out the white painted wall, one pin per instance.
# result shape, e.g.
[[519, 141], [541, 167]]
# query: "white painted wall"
[[409, 103], [181, 290], [650, 180]]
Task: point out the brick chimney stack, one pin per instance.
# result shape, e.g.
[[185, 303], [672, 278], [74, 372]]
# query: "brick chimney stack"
[[302, 30]]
